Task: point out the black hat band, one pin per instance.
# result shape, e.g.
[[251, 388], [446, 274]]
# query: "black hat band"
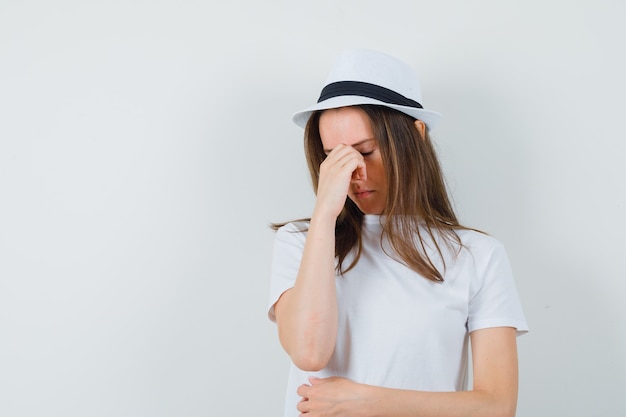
[[363, 89]]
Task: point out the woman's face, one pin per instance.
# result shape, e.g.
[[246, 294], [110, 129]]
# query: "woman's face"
[[351, 126]]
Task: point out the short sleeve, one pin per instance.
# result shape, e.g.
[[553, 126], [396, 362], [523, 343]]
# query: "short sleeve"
[[494, 301], [288, 247]]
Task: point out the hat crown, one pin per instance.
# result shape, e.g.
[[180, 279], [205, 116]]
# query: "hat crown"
[[376, 68], [366, 77]]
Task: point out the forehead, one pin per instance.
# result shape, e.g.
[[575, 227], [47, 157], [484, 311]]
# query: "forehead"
[[345, 125]]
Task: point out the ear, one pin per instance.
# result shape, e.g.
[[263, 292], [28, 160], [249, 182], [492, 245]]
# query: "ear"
[[421, 127]]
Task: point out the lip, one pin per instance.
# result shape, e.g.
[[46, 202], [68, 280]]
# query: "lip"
[[363, 193]]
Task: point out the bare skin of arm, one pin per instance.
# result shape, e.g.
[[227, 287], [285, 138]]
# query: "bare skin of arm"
[[307, 313], [494, 394]]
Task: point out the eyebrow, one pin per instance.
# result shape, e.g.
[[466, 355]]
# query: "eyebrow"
[[353, 145]]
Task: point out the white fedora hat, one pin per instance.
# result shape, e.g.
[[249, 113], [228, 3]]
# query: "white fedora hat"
[[361, 76]]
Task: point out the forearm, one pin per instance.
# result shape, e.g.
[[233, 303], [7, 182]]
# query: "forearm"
[[405, 403], [494, 358], [307, 314]]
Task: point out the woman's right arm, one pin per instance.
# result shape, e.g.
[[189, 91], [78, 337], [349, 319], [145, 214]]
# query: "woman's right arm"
[[306, 314]]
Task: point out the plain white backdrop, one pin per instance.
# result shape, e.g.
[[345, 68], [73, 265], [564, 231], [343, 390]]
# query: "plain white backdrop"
[[146, 145]]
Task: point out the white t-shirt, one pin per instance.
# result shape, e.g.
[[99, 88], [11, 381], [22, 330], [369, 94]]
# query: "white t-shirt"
[[398, 329]]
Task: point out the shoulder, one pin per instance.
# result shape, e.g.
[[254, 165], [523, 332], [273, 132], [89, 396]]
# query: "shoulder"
[[473, 239], [295, 231], [481, 247], [296, 226]]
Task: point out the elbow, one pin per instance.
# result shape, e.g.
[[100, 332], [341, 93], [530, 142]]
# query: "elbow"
[[310, 361], [310, 356], [308, 352], [510, 411], [505, 409], [506, 413], [498, 405], [509, 407]]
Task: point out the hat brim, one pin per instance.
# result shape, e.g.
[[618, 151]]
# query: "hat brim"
[[430, 118]]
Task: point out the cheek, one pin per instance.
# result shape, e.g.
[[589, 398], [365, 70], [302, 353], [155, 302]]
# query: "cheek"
[[377, 171]]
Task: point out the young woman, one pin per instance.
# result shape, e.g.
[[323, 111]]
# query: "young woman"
[[378, 295]]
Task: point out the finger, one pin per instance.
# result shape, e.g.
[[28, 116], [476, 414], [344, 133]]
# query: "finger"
[[303, 406], [340, 151], [303, 390], [360, 173], [315, 380], [351, 160]]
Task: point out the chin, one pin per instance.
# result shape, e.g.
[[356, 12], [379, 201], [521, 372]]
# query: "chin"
[[370, 210], [367, 208]]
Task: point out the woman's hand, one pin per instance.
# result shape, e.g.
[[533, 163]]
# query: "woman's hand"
[[341, 165], [333, 396]]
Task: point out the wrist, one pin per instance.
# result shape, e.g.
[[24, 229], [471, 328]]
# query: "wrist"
[[324, 217], [373, 402]]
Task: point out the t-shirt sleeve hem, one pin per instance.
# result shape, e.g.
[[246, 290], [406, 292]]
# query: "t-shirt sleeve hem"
[[520, 326], [271, 311]]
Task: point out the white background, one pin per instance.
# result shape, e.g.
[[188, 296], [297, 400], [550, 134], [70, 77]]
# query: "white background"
[[146, 145]]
